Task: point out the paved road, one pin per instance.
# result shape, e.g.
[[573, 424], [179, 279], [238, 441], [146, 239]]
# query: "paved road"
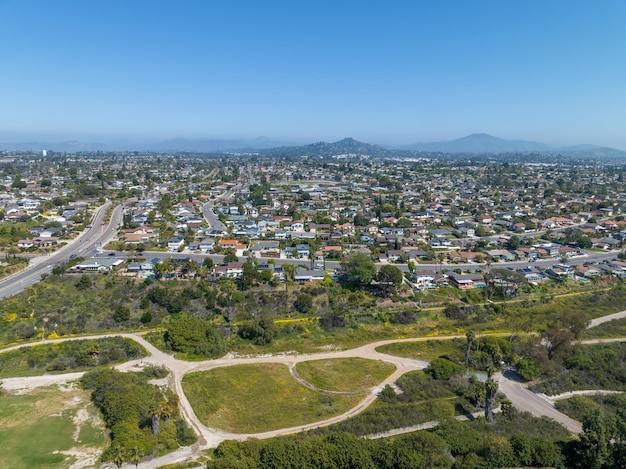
[[211, 217], [209, 214], [84, 244], [509, 384], [601, 320], [527, 401]]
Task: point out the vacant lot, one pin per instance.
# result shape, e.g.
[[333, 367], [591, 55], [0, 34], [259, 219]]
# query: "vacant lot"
[[344, 374], [258, 398], [427, 350], [50, 428]]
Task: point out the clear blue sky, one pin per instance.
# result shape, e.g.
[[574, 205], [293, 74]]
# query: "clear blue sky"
[[378, 71]]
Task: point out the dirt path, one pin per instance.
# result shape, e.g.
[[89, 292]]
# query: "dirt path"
[[521, 397], [295, 375], [585, 392]]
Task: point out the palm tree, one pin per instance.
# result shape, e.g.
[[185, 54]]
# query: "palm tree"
[[229, 287], [491, 388], [135, 457], [470, 340], [290, 274], [440, 257], [156, 412], [118, 456]]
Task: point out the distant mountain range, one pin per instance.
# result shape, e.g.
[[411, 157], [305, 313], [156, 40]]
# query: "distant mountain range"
[[485, 143], [345, 147], [471, 144]]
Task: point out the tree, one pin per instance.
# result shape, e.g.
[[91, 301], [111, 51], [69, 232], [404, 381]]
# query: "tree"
[[19, 184], [443, 369], [593, 451], [156, 411], [121, 313], [230, 257], [513, 242], [304, 303], [208, 263], [491, 388], [260, 330], [290, 273], [359, 269], [389, 278], [558, 342], [470, 340], [359, 220], [332, 320], [528, 368], [84, 282], [189, 334], [506, 282], [249, 276]]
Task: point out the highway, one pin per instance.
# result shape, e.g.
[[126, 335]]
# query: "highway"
[[85, 244]]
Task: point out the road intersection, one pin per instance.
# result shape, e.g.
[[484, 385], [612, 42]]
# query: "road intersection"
[[509, 384]]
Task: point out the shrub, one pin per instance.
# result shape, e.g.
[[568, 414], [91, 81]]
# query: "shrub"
[[442, 368]]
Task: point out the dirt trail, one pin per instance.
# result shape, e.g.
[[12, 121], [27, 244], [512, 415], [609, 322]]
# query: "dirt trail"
[[521, 397]]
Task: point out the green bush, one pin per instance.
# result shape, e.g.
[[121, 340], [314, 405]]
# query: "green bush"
[[443, 369]]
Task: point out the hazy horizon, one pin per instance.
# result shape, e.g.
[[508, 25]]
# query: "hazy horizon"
[[395, 74]]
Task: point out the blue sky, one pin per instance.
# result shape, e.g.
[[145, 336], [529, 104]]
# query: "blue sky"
[[382, 72]]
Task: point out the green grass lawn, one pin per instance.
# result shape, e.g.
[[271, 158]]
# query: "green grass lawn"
[[344, 374], [427, 350], [258, 398], [35, 428]]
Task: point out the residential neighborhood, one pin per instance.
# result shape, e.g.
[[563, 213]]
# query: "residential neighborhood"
[[403, 213]]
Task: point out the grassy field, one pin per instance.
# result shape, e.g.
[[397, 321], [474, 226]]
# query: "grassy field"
[[427, 350], [257, 398], [48, 428], [344, 374]]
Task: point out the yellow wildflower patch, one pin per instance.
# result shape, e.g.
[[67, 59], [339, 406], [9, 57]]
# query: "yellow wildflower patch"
[[9, 317]]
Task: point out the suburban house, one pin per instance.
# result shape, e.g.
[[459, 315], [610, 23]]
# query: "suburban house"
[[97, 264], [232, 270], [466, 281], [175, 243], [304, 275], [266, 249]]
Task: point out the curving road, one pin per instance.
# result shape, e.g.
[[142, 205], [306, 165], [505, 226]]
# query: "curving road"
[[84, 244]]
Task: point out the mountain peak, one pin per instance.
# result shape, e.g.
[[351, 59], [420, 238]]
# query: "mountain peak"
[[480, 143]]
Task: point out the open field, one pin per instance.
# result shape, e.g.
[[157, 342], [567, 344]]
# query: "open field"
[[50, 428], [257, 398], [344, 374], [428, 350]]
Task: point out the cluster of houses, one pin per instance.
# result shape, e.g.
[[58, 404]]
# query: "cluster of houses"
[[399, 211]]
